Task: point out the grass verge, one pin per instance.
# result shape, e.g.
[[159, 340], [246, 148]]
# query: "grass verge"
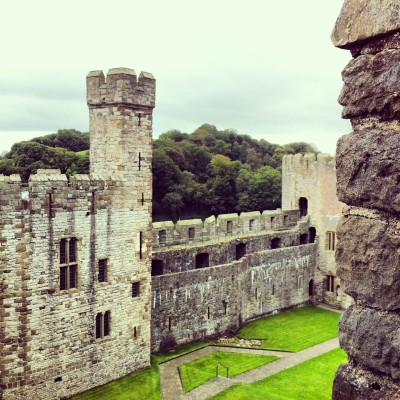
[[311, 380], [295, 330], [199, 371], [140, 385]]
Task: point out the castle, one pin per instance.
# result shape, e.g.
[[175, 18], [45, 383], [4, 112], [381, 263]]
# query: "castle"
[[89, 286]]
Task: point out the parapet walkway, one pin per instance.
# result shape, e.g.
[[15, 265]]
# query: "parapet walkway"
[[171, 386]]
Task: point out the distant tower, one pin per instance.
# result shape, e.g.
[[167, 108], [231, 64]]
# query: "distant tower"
[[309, 184]]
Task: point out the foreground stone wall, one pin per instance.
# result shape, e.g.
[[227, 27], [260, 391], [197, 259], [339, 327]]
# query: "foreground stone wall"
[[368, 171]]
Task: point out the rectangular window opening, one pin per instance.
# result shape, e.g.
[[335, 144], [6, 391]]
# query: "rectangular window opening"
[[251, 224], [141, 245], [68, 258], [93, 203], [51, 215], [191, 233], [102, 275], [103, 324], [330, 240], [135, 289], [330, 283]]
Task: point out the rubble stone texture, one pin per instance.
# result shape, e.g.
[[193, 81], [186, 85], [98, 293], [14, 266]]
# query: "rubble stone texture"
[[368, 176]]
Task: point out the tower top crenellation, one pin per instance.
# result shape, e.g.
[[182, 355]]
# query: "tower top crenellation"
[[121, 86]]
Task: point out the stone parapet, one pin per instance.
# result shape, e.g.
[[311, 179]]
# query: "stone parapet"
[[368, 158], [167, 233], [368, 170], [363, 20], [367, 336], [120, 87], [355, 383]]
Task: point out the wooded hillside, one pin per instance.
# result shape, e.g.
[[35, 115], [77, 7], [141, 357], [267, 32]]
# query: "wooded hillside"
[[199, 174]]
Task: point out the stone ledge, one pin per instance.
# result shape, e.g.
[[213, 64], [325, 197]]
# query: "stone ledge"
[[360, 20]]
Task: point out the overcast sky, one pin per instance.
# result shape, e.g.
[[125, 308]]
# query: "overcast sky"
[[266, 68]]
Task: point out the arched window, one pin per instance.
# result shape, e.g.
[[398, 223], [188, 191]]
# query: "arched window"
[[303, 206], [157, 267]]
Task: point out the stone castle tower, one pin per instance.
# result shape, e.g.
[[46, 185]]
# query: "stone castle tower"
[[309, 184], [75, 255]]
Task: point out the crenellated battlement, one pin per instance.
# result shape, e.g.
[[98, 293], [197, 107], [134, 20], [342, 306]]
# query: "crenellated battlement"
[[121, 87], [307, 162], [49, 192], [167, 233]]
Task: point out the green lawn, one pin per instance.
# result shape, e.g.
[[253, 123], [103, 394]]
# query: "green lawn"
[[203, 369], [311, 380], [82, 152], [295, 330], [140, 385]]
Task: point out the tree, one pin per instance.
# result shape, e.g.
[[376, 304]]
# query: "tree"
[[263, 191]]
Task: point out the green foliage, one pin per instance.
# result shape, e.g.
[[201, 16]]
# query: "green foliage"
[[295, 330], [69, 139], [55, 151], [263, 190], [229, 172], [311, 379], [200, 371], [199, 174]]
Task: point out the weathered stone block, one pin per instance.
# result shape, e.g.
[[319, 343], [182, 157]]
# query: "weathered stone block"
[[368, 258], [363, 19], [371, 338], [372, 86], [368, 169], [357, 384]]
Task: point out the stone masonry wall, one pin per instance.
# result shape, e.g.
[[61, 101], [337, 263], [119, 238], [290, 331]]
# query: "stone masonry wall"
[[368, 171], [217, 228], [202, 303], [48, 345], [61, 355]]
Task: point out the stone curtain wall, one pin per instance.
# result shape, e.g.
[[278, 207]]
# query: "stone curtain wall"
[[181, 258], [368, 171], [49, 347], [202, 303]]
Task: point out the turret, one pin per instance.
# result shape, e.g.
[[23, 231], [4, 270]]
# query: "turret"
[[120, 108]]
